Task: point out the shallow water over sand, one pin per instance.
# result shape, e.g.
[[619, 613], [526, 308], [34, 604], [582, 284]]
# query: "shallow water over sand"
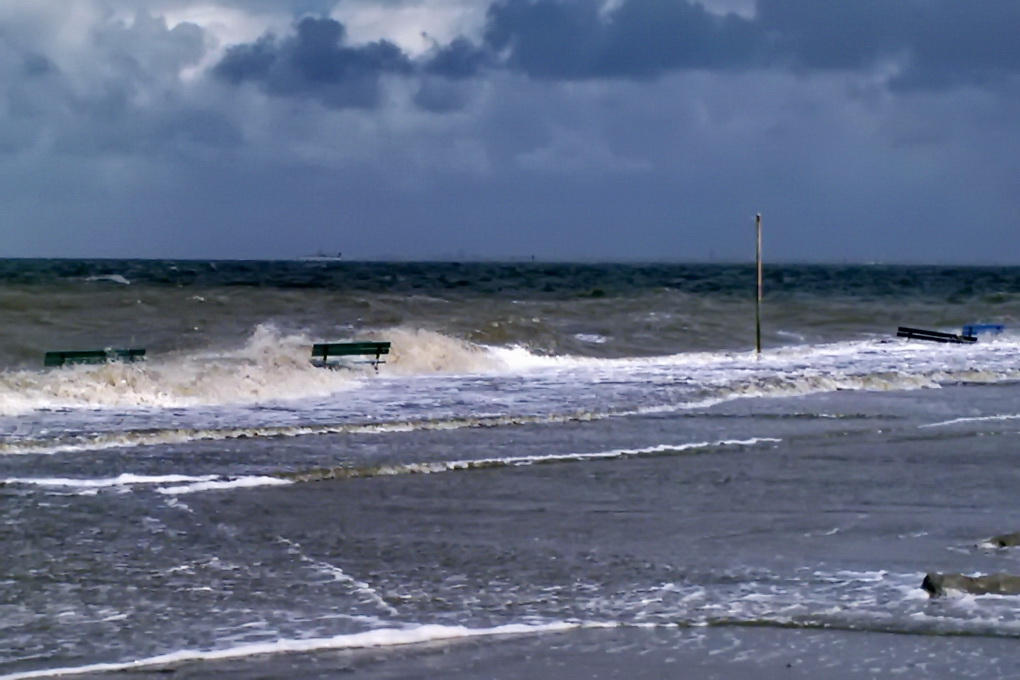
[[228, 509]]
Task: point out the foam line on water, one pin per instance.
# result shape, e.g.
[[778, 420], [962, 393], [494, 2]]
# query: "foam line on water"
[[380, 638], [223, 485], [181, 483], [124, 480], [137, 438], [973, 419], [435, 467], [131, 439], [338, 574]]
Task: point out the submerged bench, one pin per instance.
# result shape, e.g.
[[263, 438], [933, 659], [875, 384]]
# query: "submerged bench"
[[933, 336], [328, 354], [92, 356]]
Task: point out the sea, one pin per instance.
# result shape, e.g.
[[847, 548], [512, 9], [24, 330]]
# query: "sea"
[[561, 470]]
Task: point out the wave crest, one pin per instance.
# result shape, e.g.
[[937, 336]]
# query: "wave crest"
[[269, 366]]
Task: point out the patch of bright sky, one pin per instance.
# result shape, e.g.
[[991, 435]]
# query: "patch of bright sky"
[[230, 26], [225, 26], [745, 8], [36, 25]]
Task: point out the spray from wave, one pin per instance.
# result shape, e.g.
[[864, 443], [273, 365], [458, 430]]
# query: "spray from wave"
[[272, 367], [269, 366]]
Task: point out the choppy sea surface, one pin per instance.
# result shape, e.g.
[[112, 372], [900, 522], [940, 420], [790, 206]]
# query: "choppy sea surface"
[[548, 449]]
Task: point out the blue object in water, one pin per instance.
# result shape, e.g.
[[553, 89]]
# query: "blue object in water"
[[974, 329]]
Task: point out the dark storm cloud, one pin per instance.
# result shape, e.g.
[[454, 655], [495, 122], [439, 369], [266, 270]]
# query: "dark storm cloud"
[[316, 63], [56, 99], [544, 39], [445, 70], [934, 44], [583, 128], [575, 40], [960, 45], [34, 64], [459, 60], [938, 43], [440, 96], [833, 35], [198, 128], [942, 42]]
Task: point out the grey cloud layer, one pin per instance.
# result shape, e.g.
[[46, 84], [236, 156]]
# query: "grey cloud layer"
[[871, 129], [943, 42], [574, 40], [936, 43], [316, 62]]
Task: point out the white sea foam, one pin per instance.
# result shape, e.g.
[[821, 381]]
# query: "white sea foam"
[[418, 351], [180, 436], [443, 466], [592, 338], [974, 419], [614, 453], [269, 367], [112, 278], [380, 638], [125, 480], [222, 484], [272, 368], [179, 484], [368, 592]]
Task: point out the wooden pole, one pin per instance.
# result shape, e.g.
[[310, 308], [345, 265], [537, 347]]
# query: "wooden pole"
[[757, 304]]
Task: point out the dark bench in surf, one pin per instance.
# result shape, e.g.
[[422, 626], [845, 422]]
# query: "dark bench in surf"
[[933, 336], [334, 354], [92, 356]]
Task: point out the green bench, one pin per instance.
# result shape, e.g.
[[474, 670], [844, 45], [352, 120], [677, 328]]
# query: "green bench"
[[932, 336], [331, 354], [92, 356]]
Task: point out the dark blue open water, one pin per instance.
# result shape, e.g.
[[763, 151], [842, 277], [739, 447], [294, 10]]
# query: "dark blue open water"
[[551, 450]]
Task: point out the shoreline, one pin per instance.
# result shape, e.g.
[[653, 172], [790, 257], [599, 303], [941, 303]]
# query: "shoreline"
[[627, 653]]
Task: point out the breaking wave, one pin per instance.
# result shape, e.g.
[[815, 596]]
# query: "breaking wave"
[[155, 437], [174, 485], [434, 467], [270, 366]]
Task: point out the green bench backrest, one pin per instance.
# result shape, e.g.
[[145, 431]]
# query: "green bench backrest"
[[934, 336], [332, 349], [92, 356]]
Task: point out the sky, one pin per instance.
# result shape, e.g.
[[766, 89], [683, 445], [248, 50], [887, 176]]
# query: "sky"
[[623, 130]]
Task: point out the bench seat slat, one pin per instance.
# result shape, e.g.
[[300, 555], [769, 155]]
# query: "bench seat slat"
[[933, 336], [321, 349], [91, 356]]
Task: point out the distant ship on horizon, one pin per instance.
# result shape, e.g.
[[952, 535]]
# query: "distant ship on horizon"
[[322, 255]]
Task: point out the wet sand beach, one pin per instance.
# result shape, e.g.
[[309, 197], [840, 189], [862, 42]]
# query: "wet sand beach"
[[800, 556], [540, 481]]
